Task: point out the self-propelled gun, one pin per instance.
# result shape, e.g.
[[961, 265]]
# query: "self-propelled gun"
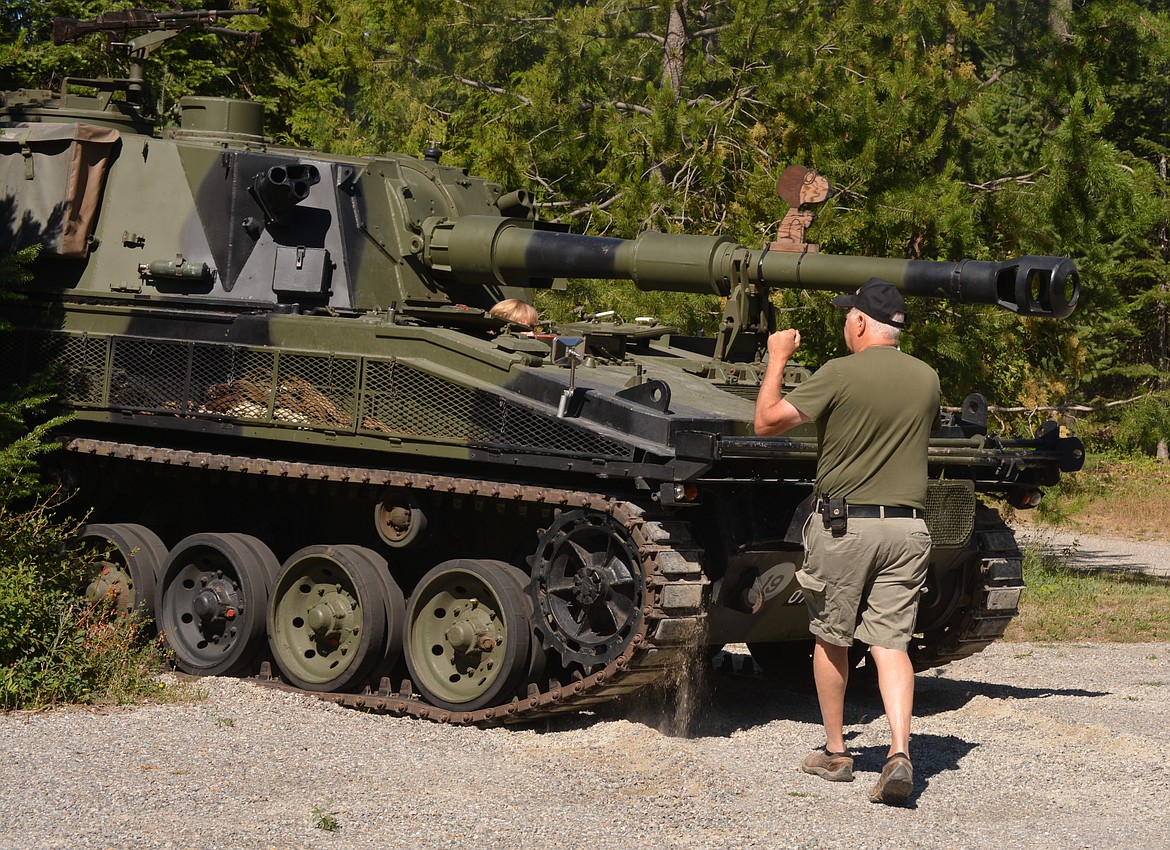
[[317, 458]]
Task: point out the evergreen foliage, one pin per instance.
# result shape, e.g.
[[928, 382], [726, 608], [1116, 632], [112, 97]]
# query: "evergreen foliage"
[[1144, 424], [963, 129], [952, 130]]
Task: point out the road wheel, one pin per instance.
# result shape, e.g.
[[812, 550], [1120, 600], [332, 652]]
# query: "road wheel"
[[130, 572], [395, 612], [327, 617], [468, 635], [214, 593]]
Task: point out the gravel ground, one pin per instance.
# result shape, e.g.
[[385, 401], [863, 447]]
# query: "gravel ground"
[[1022, 746]]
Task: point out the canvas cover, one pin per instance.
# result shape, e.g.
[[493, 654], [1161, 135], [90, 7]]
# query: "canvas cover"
[[51, 178]]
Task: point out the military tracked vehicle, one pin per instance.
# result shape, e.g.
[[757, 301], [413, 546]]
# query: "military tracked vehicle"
[[316, 458]]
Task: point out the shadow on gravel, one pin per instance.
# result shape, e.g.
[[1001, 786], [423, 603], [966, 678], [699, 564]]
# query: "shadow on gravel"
[[723, 703], [718, 705], [936, 696], [1128, 560], [1105, 563], [931, 755]]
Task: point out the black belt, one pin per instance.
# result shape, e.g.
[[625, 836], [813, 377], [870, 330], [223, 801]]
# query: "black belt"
[[882, 512]]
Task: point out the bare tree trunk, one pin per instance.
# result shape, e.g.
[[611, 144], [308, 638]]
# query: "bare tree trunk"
[[676, 40], [1162, 308], [1162, 318], [673, 50], [1059, 17]]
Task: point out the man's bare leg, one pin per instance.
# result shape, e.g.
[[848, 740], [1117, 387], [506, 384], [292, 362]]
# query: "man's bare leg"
[[831, 674], [896, 683]]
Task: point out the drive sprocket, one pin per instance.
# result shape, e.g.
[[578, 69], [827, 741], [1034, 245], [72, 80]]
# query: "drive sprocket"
[[588, 588]]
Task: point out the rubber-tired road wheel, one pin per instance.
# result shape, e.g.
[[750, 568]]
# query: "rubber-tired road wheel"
[[212, 601], [130, 573], [468, 635], [327, 618], [537, 655], [395, 611]]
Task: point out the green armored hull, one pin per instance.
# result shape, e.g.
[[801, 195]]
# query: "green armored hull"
[[318, 458]]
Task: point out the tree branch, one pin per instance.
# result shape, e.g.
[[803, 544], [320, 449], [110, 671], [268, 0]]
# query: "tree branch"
[[997, 76], [1070, 407], [476, 84], [619, 105], [466, 81], [651, 36], [992, 185], [590, 207]]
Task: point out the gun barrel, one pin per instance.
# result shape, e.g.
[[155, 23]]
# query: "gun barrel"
[[1028, 285], [487, 250]]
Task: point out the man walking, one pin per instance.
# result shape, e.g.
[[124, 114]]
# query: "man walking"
[[866, 544]]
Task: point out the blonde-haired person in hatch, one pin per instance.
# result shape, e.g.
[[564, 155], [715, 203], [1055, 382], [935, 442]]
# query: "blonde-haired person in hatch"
[[516, 310]]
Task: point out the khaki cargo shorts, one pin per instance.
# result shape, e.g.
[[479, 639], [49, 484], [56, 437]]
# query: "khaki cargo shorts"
[[865, 584]]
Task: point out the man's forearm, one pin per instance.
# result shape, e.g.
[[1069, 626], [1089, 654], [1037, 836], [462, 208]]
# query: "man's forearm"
[[774, 415]]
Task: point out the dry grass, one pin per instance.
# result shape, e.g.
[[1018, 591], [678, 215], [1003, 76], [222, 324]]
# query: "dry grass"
[[1114, 497]]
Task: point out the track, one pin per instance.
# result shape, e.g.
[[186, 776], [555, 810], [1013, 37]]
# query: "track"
[[660, 650], [990, 598], [663, 647]]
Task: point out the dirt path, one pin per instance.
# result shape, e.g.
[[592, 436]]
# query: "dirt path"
[[1089, 551]]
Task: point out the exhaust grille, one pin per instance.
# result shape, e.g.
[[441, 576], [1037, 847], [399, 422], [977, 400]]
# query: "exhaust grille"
[[748, 391]]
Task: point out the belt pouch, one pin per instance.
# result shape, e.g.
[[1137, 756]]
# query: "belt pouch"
[[835, 514]]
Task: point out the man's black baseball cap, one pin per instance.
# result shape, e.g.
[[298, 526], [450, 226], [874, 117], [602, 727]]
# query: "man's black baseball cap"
[[878, 299]]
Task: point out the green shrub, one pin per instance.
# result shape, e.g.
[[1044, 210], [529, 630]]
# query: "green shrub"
[[1116, 494], [55, 646]]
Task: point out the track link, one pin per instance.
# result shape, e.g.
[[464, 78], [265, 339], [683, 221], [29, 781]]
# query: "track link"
[[994, 590], [675, 599]]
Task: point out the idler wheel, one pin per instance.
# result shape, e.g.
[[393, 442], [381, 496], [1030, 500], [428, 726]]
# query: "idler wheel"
[[213, 599], [327, 619], [468, 635], [588, 588]]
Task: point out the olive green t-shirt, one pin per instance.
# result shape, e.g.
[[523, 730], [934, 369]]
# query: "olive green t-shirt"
[[874, 412]]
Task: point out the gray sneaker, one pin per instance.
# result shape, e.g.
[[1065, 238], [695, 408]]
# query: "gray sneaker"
[[896, 782], [835, 767]]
